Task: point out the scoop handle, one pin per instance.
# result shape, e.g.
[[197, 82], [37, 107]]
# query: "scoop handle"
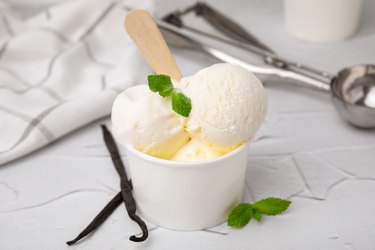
[[143, 30], [181, 38]]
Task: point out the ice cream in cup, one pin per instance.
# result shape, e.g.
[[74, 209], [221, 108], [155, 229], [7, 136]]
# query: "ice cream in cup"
[[188, 171], [186, 138]]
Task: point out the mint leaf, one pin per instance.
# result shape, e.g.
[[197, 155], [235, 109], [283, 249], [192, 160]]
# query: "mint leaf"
[[257, 215], [181, 104], [240, 215], [271, 206], [160, 83]]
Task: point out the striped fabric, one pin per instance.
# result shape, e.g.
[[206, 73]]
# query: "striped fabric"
[[62, 69]]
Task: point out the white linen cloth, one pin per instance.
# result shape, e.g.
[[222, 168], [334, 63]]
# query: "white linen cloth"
[[62, 69]]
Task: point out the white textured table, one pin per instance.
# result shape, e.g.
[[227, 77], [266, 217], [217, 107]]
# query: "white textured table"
[[303, 152]]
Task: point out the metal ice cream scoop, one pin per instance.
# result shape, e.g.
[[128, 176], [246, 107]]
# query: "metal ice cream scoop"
[[352, 89]]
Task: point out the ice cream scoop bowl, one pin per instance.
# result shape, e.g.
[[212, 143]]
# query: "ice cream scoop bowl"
[[353, 95], [190, 195]]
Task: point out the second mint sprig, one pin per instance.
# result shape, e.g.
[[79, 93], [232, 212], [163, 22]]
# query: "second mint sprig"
[[181, 104], [244, 212]]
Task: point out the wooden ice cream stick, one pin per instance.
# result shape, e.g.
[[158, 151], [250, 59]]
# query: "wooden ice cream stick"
[[146, 35]]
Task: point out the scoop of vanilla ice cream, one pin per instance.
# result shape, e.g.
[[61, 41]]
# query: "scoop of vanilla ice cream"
[[195, 150], [228, 105], [147, 122]]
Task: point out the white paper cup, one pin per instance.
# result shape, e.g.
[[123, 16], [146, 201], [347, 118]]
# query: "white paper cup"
[[322, 20], [187, 195]]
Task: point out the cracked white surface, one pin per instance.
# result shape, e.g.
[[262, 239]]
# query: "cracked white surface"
[[304, 152]]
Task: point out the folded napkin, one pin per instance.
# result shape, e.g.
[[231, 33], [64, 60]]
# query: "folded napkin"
[[62, 69]]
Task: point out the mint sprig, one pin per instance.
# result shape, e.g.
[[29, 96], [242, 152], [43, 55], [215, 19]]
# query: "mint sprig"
[[162, 84], [244, 212]]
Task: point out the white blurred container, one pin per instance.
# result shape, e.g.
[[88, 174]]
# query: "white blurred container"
[[322, 20], [187, 195]]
